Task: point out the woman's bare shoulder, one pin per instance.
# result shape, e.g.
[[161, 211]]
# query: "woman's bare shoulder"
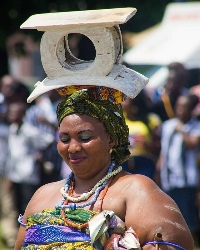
[[140, 190], [137, 182], [47, 196], [150, 210]]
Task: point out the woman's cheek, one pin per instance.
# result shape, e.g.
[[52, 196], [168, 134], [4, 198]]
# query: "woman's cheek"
[[62, 149]]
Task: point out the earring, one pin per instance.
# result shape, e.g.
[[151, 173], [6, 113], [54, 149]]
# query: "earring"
[[110, 151]]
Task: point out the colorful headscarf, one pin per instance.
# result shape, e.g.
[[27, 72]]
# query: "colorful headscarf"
[[107, 110]]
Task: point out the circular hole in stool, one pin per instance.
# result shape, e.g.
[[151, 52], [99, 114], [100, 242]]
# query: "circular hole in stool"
[[76, 51]]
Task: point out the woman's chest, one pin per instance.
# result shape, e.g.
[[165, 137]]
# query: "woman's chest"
[[112, 202]]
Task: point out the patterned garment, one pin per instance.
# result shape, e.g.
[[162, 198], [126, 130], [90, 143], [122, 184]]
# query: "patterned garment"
[[95, 92], [47, 230]]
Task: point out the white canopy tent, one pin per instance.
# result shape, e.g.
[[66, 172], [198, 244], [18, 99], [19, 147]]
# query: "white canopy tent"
[[176, 39]]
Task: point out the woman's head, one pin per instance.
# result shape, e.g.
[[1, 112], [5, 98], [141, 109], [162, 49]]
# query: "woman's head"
[[81, 102], [84, 144]]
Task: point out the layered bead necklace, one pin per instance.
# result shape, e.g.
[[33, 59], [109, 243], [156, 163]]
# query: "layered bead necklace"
[[99, 190]]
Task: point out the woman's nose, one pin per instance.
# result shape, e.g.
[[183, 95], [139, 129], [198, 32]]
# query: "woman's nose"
[[74, 146]]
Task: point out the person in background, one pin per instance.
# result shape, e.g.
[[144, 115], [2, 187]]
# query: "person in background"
[[22, 170], [3, 152], [173, 88], [10, 91], [42, 115], [177, 165], [144, 136], [195, 90], [8, 223]]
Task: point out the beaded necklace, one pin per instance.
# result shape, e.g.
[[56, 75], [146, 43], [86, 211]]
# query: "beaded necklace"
[[85, 196], [74, 206], [99, 190], [67, 188]]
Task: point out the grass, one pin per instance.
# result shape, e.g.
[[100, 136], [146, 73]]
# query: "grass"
[[3, 247]]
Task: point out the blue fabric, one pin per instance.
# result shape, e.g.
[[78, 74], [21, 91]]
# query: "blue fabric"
[[43, 234]]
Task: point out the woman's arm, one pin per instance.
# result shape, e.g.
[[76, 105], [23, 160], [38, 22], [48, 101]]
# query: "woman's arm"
[[45, 197], [20, 238], [150, 211]]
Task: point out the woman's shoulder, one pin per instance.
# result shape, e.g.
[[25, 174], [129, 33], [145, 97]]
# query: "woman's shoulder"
[[47, 196], [148, 209], [137, 180], [139, 189], [52, 186]]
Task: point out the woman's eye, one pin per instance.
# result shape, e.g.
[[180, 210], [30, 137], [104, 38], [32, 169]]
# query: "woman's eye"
[[85, 138], [64, 139]]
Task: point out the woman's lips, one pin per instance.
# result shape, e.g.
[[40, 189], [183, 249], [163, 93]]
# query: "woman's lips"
[[77, 159]]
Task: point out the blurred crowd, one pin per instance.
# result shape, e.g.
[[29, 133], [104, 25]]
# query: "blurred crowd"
[[164, 127], [28, 150]]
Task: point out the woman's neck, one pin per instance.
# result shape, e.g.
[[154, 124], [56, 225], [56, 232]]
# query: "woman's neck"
[[84, 185]]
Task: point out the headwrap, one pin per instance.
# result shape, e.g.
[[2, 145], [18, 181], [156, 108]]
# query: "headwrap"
[[103, 104]]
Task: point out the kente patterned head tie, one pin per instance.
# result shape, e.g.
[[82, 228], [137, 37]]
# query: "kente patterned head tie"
[[95, 92], [104, 106]]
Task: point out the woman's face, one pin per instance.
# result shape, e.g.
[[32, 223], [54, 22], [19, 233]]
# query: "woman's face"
[[84, 145]]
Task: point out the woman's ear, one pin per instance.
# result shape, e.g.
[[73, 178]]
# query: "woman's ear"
[[111, 142]]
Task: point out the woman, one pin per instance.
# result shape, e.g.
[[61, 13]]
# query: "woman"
[[99, 206]]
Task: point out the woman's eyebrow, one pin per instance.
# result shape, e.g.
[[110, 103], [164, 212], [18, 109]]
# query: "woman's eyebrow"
[[85, 130], [81, 131]]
